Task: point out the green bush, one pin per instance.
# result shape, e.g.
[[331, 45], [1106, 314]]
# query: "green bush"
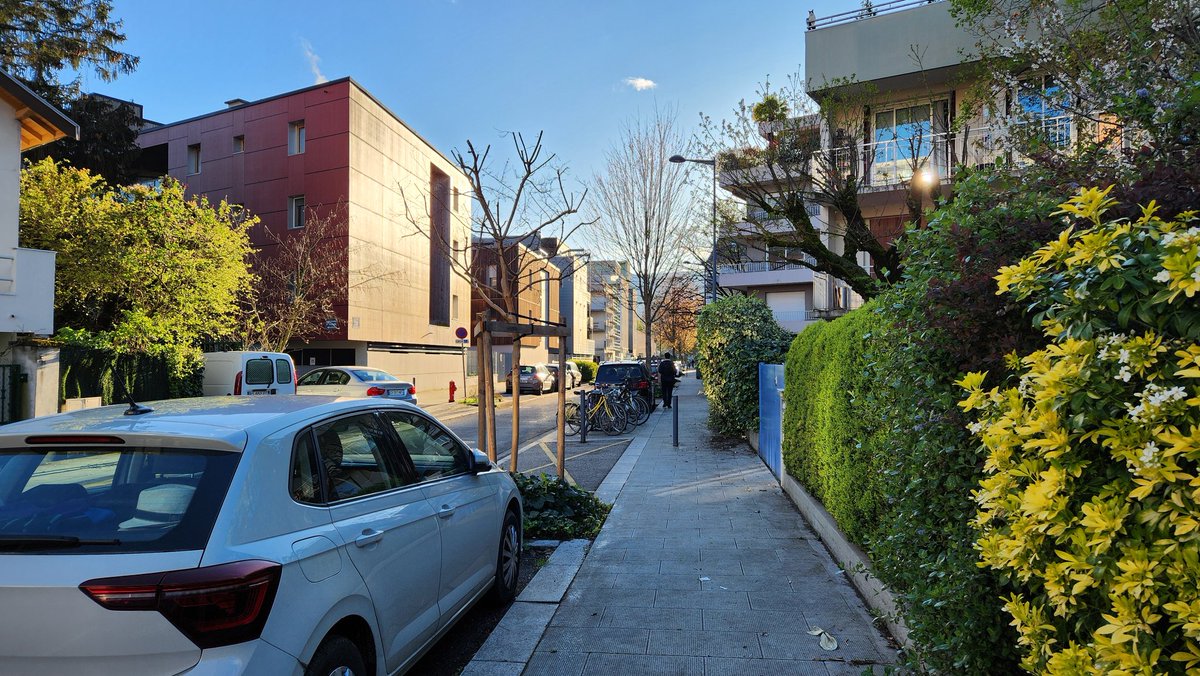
[[557, 510], [828, 427], [587, 369], [734, 334]]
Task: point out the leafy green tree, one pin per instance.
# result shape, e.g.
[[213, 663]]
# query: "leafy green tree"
[[735, 334], [147, 269], [107, 143], [40, 39], [40, 42]]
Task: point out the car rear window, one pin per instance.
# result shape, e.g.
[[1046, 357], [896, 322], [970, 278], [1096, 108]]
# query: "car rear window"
[[260, 372], [619, 373], [374, 376], [91, 500]]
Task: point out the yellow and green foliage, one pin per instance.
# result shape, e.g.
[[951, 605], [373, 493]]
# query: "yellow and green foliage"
[[1090, 503]]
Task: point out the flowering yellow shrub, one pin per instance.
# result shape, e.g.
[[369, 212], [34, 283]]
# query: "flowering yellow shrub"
[[1091, 501]]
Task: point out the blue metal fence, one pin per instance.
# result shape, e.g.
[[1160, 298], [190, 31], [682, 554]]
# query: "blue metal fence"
[[770, 417]]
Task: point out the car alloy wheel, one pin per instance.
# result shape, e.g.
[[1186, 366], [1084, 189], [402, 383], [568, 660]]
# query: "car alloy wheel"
[[508, 561]]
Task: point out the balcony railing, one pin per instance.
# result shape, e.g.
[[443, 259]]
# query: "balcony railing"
[[791, 316], [758, 266], [893, 162], [865, 13]]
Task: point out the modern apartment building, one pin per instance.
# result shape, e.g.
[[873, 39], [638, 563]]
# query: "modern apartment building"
[[574, 303], [907, 69], [611, 309], [530, 272], [334, 148]]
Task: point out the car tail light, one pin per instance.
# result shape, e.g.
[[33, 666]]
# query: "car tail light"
[[237, 383], [213, 606], [641, 385], [412, 389], [375, 391], [73, 439], [295, 378]]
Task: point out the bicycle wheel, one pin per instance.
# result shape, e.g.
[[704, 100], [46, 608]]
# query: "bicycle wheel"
[[573, 419], [639, 410], [616, 419]]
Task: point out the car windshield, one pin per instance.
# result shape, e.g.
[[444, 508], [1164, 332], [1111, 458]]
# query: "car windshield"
[[619, 373], [374, 376], [110, 499]]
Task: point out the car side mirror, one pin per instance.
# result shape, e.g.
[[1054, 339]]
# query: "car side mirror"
[[480, 462]]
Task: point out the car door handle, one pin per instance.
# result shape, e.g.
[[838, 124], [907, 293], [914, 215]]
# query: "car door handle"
[[446, 511], [369, 537]]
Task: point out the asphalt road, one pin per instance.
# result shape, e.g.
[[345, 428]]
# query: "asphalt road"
[[587, 464]]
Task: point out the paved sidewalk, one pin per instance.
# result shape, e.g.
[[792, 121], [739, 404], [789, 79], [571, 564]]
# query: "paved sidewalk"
[[704, 567]]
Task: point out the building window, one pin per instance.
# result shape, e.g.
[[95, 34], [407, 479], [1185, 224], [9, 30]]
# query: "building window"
[[296, 137], [456, 200], [454, 306], [439, 245], [1040, 101], [296, 211], [239, 144], [193, 159], [491, 277]]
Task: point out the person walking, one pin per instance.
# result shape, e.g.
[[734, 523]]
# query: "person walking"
[[666, 378]]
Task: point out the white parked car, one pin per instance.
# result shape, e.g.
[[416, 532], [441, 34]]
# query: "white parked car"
[[244, 535], [356, 381]]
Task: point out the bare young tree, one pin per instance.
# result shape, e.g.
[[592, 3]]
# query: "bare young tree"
[[643, 201], [302, 274], [779, 165], [519, 206], [676, 327]]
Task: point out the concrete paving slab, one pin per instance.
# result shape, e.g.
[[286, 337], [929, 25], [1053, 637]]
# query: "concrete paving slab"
[[643, 665]]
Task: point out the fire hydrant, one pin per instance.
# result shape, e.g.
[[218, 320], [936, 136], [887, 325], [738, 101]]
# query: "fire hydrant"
[[452, 389]]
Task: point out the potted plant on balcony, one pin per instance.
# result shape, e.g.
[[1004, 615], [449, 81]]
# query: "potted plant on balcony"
[[769, 114]]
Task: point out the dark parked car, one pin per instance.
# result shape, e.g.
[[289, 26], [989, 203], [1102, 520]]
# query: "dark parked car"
[[633, 372]]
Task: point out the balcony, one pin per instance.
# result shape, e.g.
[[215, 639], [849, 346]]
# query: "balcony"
[[27, 291], [833, 46], [755, 274], [888, 164]]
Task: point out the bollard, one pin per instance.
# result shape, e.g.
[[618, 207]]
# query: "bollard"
[[675, 420], [583, 417]]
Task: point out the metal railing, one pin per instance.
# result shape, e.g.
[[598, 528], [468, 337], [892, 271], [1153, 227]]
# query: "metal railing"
[[895, 161], [865, 12], [758, 266], [791, 316]]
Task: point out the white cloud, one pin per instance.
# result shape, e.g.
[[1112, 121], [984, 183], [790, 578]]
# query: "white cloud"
[[641, 84], [314, 62]]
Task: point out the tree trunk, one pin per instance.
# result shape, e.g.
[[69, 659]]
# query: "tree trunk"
[[487, 399], [516, 402], [562, 407]]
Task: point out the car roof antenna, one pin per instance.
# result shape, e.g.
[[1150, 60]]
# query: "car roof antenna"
[[136, 408]]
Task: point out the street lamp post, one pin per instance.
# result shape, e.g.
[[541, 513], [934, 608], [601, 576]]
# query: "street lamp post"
[[677, 159]]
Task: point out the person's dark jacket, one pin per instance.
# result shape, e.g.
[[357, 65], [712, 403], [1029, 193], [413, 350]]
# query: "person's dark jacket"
[[666, 372]]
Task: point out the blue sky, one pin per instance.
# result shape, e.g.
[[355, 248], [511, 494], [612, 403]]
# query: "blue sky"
[[470, 68]]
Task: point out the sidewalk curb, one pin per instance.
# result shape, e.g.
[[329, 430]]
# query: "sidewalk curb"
[[510, 646]]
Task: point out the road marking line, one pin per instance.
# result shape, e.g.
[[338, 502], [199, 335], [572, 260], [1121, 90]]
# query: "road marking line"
[[572, 457]]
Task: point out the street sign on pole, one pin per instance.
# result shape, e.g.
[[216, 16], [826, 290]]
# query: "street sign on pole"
[[460, 333]]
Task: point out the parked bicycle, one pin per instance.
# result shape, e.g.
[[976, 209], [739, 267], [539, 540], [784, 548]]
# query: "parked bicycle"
[[605, 412]]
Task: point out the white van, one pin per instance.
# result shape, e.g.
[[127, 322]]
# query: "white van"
[[247, 372]]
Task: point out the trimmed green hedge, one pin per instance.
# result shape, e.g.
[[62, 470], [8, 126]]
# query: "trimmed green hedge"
[[828, 427], [587, 369], [734, 335]]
